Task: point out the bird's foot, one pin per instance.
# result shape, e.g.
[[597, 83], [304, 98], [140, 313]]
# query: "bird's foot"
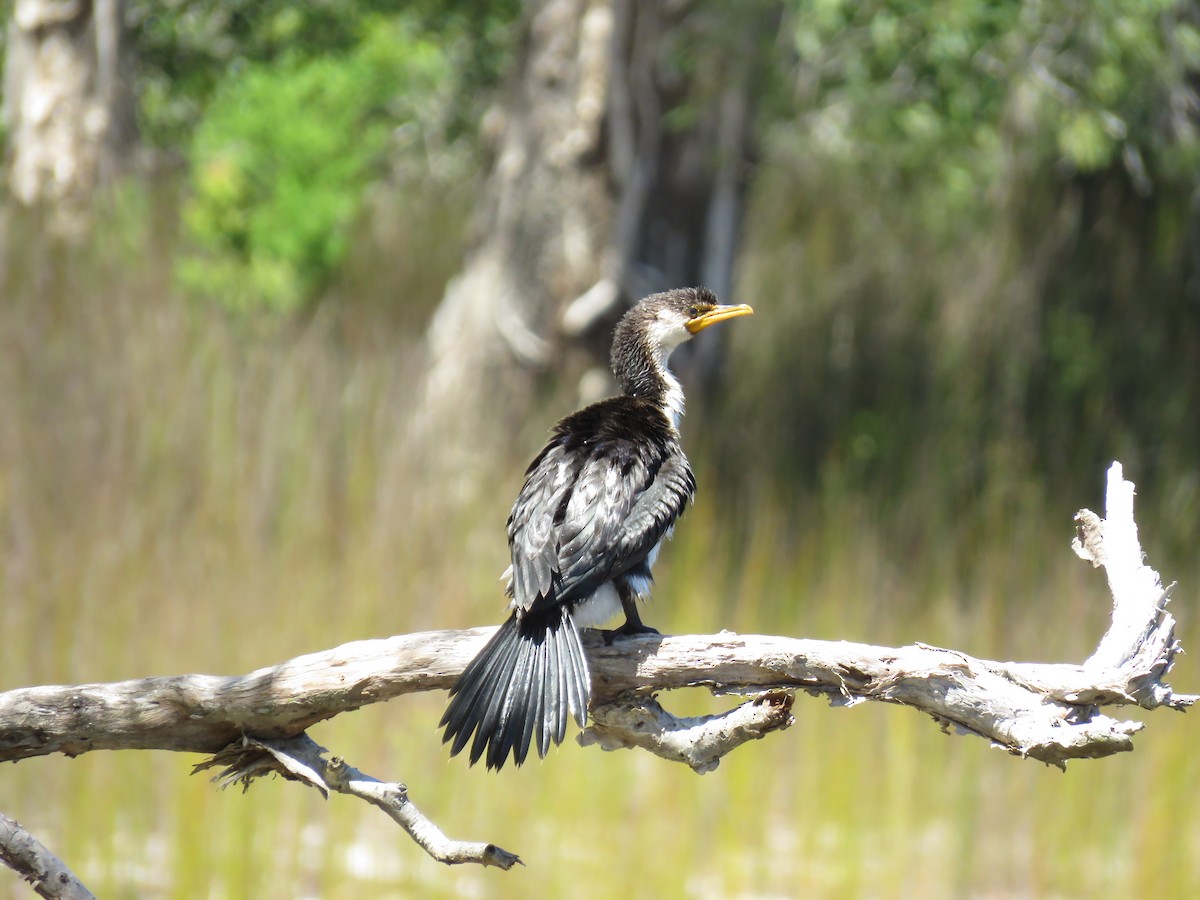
[[629, 629]]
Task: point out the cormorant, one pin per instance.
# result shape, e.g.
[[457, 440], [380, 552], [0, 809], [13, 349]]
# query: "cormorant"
[[584, 532]]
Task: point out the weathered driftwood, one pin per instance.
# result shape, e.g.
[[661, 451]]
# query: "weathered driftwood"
[[1049, 712]]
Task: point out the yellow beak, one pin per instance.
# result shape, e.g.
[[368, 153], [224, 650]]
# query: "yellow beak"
[[718, 314]]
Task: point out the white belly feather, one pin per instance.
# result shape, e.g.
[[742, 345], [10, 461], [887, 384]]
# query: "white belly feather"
[[605, 604], [596, 610]]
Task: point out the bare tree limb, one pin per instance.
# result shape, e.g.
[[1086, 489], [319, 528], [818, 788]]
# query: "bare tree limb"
[[33, 861], [698, 742], [302, 759], [1047, 711], [203, 714], [256, 723]]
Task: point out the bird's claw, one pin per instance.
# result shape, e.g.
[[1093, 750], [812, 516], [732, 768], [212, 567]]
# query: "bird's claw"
[[629, 629]]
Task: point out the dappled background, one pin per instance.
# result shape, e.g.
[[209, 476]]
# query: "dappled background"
[[290, 294]]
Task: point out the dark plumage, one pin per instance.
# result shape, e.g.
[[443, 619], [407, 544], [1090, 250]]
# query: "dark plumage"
[[584, 533]]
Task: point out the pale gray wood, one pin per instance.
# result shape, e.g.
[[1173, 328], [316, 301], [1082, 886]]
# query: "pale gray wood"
[[302, 759], [698, 742], [68, 108], [38, 865]]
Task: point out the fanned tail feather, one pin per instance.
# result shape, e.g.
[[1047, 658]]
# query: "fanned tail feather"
[[524, 683]]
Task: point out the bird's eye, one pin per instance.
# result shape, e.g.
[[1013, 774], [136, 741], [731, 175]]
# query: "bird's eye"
[[692, 312]]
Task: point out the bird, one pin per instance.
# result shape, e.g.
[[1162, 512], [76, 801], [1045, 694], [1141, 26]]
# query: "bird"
[[584, 532]]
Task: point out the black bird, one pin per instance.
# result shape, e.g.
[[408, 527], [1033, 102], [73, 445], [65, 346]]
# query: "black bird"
[[584, 532]]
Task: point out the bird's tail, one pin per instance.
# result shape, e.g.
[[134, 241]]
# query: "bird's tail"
[[531, 674]]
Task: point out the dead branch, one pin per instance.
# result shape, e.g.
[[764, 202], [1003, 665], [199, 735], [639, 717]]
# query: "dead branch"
[[256, 723], [33, 861], [698, 742], [302, 759]]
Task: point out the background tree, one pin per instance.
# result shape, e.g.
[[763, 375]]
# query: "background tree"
[[619, 170], [68, 108]]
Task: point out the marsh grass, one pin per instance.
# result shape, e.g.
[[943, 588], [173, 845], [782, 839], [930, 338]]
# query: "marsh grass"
[[184, 493]]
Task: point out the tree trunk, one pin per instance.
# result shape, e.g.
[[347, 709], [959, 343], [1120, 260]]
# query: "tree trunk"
[[621, 156], [68, 108]]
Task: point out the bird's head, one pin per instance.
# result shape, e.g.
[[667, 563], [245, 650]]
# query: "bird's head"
[[666, 320], [648, 333]]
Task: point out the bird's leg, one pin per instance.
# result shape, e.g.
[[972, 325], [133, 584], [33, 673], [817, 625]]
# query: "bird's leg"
[[633, 620]]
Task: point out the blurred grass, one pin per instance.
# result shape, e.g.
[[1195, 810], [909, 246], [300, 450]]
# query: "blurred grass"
[[182, 492]]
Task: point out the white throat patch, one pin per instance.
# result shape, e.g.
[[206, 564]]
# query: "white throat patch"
[[667, 334], [673, 401]]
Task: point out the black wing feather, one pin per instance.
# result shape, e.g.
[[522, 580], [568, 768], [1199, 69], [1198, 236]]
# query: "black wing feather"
[[602, 494], [595, 502]]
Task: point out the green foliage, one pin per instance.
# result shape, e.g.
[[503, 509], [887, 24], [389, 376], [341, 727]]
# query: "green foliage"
[[961, 91], [186, 48], [281, 161], [971, 235], [287, 114]]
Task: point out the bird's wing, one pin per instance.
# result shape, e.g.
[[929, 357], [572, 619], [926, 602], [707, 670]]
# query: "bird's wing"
[[655, 510], [589, 514], [532, 532]]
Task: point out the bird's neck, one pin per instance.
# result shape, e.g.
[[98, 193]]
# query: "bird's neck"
[[643, 373]]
